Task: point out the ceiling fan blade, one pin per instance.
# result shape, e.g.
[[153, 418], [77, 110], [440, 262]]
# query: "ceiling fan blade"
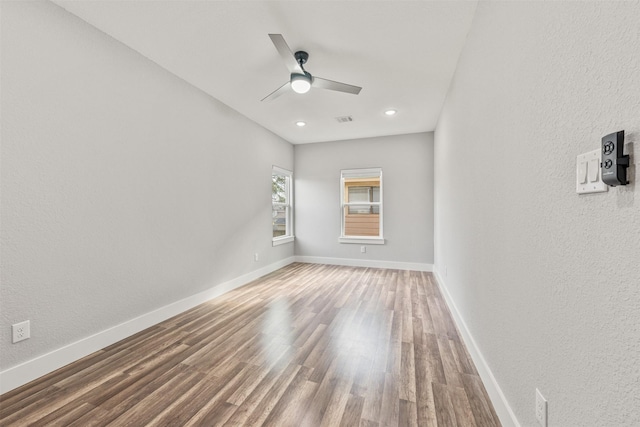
[[276, 93], [285, 53], [337, 86]]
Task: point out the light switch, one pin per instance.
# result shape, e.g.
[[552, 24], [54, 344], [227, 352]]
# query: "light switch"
[[594, 170], [588, 177], [582, 171]]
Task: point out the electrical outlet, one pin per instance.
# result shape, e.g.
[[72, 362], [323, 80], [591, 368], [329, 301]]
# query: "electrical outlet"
[[21, 331], [255, 256], [363, 249], [541, 409]]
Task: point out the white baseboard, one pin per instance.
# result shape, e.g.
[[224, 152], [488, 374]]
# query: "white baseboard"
[[500, 403], [28, 371], [350, 262]]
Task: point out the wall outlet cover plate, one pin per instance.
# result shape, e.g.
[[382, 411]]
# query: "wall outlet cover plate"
[[20, 331]]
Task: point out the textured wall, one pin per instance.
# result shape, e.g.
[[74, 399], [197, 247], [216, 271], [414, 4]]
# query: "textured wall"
[[123, 188], [547, 281], [407, 168]]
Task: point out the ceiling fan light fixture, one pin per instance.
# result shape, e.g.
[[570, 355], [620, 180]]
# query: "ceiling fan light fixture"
[[301, 83]]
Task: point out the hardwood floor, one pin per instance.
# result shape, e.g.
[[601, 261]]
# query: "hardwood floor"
[[308, 345]]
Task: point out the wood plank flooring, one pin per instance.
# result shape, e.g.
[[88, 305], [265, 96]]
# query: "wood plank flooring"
[[308, 345]]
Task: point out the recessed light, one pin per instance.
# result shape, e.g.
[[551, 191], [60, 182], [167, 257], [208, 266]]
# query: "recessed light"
[[301, 123], [391, 112]]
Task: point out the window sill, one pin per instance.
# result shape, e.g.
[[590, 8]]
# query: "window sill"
[[362, 240], [282, 240]]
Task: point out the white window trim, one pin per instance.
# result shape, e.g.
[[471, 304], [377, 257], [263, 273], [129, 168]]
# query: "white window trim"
[[289, 236], [364, 240], [361, 173], [281, 240]]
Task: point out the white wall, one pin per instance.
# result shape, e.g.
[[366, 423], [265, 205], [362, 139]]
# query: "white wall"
[[407, 167], [548, 282], [123, 188]]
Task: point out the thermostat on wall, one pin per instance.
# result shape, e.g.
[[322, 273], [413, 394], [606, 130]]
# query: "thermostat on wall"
[[614, 163]]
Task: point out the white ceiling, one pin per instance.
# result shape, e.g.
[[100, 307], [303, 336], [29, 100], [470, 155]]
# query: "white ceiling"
[[402, 53]]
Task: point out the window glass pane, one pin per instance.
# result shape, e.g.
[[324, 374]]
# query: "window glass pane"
[[279, 220], [279, 188], [361, 189], [360, 209], [281, 204], [361, 224], [376, 194], [358, 194]]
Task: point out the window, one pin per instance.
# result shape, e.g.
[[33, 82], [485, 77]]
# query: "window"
[[281, 205], [361, 199]]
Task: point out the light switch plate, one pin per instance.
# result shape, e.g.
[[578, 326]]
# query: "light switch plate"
[[589, 164]]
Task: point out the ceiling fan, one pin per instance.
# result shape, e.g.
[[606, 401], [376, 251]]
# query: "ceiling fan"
[[301, 81]]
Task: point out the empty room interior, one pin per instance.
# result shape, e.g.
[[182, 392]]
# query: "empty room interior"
[[319, 213]]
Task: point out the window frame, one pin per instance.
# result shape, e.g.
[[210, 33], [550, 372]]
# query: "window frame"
[[360, 173], [288, 205]]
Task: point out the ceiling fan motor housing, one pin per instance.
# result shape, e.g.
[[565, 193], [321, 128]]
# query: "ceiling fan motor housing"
[[302, 57]]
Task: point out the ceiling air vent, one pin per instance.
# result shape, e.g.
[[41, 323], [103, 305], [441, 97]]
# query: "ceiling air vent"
[[344, 119]]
